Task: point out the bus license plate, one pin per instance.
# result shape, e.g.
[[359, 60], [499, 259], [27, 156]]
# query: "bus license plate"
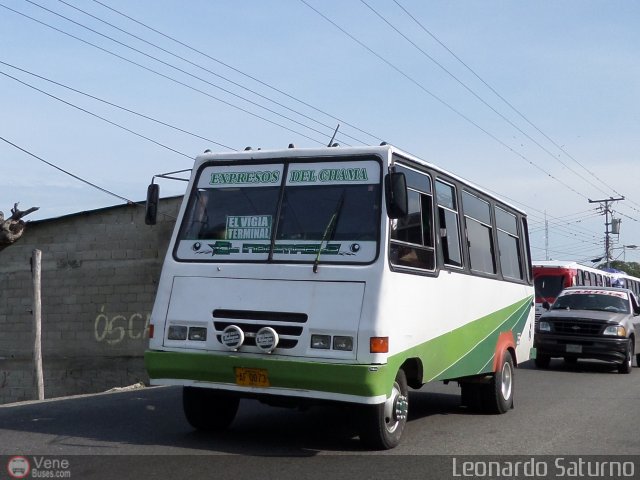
[[252, 377], [574, 348]]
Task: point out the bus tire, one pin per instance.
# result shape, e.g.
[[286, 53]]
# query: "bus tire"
[[209, 410], [501, 387], [472, 396], [626, 366], [383, 424], [542, 361]]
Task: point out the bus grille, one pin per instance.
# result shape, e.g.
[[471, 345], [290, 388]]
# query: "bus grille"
[[250, 321]]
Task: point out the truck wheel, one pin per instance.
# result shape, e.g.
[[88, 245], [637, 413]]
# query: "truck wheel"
[[542, 361], [499, 394], [625, 367], [209, 410], [383, 424]]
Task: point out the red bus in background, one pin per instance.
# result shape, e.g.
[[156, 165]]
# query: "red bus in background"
[[551, 277]]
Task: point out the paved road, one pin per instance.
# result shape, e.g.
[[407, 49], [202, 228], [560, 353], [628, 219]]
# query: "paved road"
[[587, 409]]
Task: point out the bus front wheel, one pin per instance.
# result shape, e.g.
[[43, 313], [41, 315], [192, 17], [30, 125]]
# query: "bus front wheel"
[[383, 424], [209, 410]]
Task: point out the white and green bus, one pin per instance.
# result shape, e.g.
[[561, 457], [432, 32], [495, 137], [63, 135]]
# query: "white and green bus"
[[339, 274]]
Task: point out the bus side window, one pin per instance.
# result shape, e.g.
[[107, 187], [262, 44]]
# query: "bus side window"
[[509, 244], [412, 243], [480, 233], [449, 221]]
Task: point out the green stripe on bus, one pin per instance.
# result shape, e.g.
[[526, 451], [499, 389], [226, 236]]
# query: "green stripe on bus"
[[468, 349], [464, 351]]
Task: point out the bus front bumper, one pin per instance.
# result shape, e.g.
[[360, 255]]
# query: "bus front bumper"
[[365, 384]]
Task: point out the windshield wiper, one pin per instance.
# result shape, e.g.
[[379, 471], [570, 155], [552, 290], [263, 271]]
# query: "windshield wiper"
[[330, 230]]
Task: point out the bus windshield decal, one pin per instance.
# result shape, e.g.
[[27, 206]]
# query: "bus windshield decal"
[[249, 227], [236, 178], [329, 173], [219, 176]]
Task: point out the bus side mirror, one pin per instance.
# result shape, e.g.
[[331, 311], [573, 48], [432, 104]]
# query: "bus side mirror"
[[151, 207], [546, 305], [395, 186]]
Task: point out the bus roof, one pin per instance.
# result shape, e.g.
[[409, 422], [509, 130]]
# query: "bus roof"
[[382, 150], [564, 264]]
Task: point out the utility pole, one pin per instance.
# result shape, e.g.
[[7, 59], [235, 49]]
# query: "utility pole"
[[36, 269], [546, 236], [607, 210]]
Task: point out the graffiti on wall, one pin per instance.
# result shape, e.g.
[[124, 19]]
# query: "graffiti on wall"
[[116, 328]]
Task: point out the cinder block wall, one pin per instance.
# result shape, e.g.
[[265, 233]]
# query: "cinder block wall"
[[99, 275]]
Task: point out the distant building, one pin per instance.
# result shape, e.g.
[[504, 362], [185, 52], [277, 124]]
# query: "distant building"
[[100, 271]]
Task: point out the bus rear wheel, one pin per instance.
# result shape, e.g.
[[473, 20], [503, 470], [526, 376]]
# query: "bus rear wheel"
[[501, 387], [494, 396], [383, 424], [209, 410]]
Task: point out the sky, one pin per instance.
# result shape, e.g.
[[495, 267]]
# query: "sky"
[[537, 101]]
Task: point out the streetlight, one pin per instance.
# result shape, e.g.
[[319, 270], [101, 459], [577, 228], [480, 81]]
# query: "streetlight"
[[624, 250]]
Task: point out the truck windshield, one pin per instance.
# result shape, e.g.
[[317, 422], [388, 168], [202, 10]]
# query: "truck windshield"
[[616, 302], [252, 213]]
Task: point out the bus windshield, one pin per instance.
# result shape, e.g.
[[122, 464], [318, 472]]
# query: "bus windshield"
[[248, 213], [548, 286]]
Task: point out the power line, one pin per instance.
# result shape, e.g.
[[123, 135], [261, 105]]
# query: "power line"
[[130, 202], [208, 71], [472, 92], [162, 75], [97, 116], [441, 101], [229, 92], [560, 147], [116, 105], [255, 79]]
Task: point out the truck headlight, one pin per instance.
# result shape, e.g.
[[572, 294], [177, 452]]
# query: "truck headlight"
[[544, 326], [615, 330]]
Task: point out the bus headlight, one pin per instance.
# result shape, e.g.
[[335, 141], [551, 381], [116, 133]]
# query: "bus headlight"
[[615, 330], [197, 333], [343, 343], [321, 341], [177, 332]]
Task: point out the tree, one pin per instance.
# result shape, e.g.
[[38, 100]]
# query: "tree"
[[630, 268], [13, 227]]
